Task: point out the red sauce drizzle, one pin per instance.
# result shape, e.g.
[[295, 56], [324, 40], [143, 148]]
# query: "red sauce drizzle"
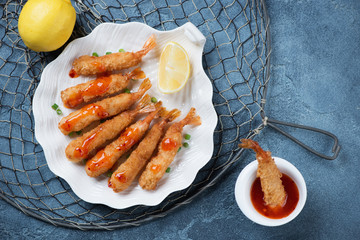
[[257, 199], [96, 88], [121, 177], [99, 66], [128, 139], [99, 86], [73, 73], [83, 150], [89, 110], [168, 144], [100, 161], [155, 168]]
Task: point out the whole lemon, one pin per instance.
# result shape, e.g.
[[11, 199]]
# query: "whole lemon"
[[45, 25]]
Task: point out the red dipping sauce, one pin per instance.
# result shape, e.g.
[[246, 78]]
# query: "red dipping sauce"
[[168, 144], [257, 199]]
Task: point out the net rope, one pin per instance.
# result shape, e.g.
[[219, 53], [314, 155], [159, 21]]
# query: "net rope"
[[235, 58]]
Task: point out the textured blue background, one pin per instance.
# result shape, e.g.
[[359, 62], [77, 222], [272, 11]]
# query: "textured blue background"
[[314, 81]]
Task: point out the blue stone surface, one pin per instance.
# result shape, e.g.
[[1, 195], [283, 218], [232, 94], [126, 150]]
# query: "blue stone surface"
[[314, 81]]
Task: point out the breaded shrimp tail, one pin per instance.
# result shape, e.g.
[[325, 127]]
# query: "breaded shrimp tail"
[[191, 119], [137, 73], [149, 44], [169, 115], [145, 105], [154, 114], [145, 85], [250, 144], [270, 176]]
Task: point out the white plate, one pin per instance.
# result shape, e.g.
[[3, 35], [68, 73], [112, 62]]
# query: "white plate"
[[197, 93]]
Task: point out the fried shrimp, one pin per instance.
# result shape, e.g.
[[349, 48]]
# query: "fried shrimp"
[[107, 157], [100, 87], [81, 147], [89, 65], [105, 108], [167, 150], [269, 174], [127, 171]]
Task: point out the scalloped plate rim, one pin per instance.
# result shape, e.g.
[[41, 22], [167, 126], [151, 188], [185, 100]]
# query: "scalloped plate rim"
[[81, 194]]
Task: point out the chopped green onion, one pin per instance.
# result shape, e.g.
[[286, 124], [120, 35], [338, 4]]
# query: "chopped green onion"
[[54, 106], [121, 50], [179, 149], [72, 133], [168, 170], [109, 173], [95, 54], [84, 161], [185, 144], [153, 100], [127, 90], [102, 120], [107, 53], [58, 111], [187, 136]]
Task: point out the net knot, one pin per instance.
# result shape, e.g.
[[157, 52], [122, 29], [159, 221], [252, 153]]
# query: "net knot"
[[265, 121], [256, 131]]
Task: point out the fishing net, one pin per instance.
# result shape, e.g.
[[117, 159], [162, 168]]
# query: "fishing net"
[[235, 58]]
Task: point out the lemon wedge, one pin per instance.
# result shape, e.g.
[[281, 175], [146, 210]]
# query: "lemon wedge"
[[174, 68], [45, 25]]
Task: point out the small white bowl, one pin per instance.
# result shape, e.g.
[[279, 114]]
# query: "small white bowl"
[[243, 187]]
